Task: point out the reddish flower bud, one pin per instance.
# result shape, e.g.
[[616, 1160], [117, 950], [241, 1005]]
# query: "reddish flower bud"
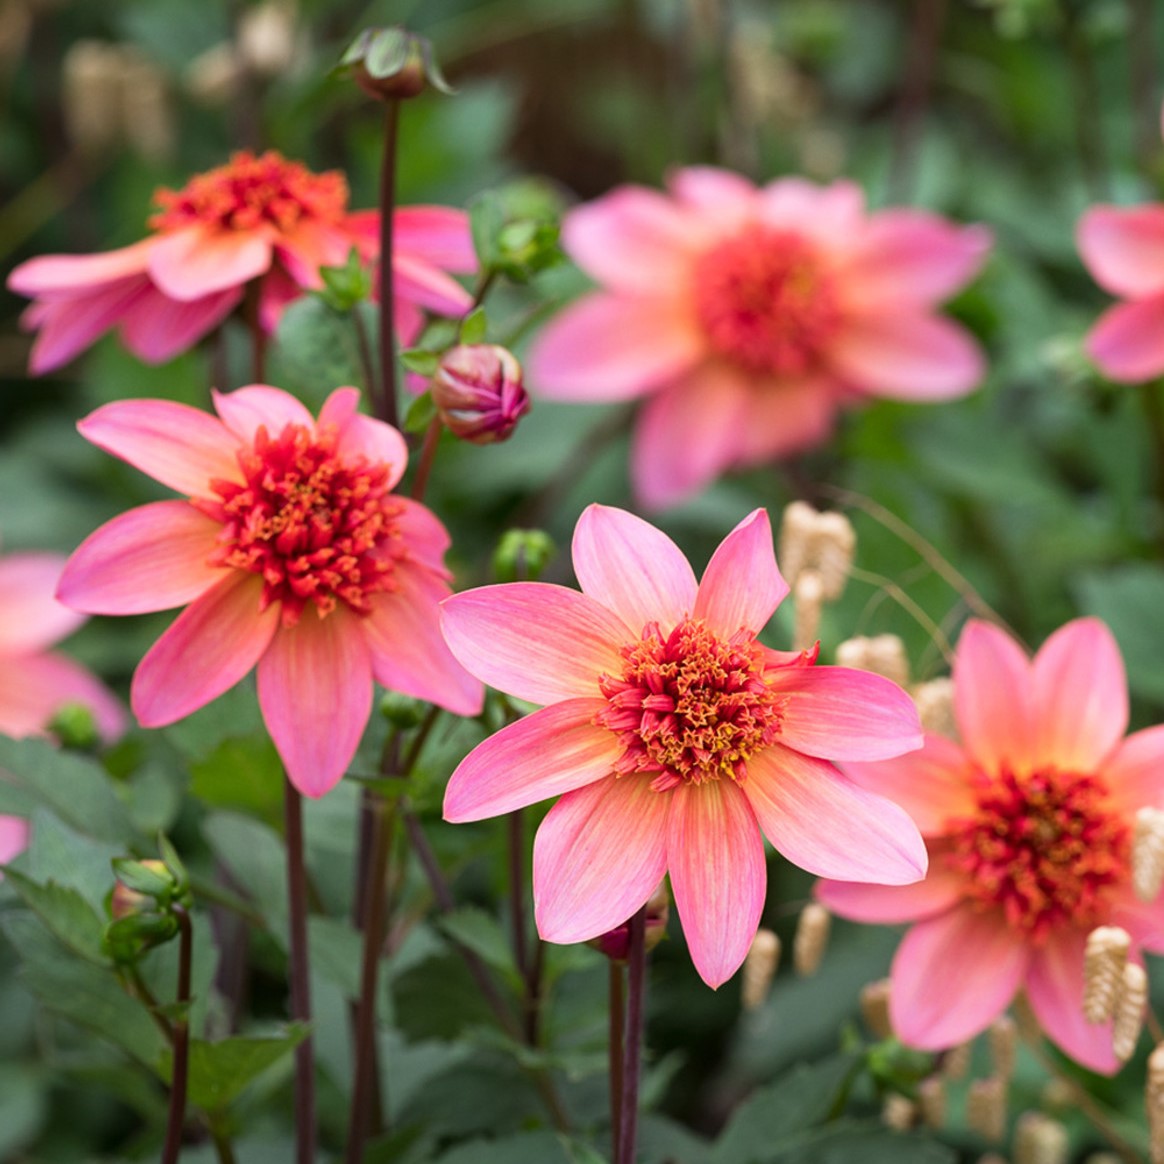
[[129, 899], [478, 392], [615, 943]]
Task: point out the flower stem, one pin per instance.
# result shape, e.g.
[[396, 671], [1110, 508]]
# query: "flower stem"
[[515, 836], [300, 974], [428, 451], [617, 1034], [633, 1042], [915, 95], [181, 1039], [387, 410]]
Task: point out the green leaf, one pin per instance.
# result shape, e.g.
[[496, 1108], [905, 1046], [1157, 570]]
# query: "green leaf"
[[420, 413], [243, 774], [486, 221], [521, 1148], [68, 916], [474, 326], [141, 878], [481, 933], [59, 853], [421, 362], [23, 1107], [317, 348], [861, 1142], [256, 860], [336, 948]]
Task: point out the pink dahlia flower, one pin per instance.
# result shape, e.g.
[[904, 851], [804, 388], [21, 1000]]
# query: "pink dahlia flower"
[[1029, 823], [292, 554], [256, 218], [675, 740], [747, 316]]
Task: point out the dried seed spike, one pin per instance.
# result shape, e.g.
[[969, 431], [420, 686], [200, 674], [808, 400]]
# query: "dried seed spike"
[[875, 1008], [1038, 1139], [812, 936], [91, 94], [956, 1061], [1154, 1103], [1129, 1011], [898, 1112], [931, 1101], [986, 1107], [807, 594], [935, 707], [1104, 958], [759, 969], [881, 654], [796, 530], [1148, 854], [1003, 1042], [836, 546]]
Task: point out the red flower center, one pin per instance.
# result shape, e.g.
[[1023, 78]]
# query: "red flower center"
[[765, 302], [250, 192], [1046, 848], [316, 526], [691, 706]]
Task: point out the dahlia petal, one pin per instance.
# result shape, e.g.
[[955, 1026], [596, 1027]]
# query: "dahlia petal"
[[427, 286], [607, 347], [1080, 696], [905, 354], [150, 558], [632, 568], [245, 410], [198, 261], [423, 533], [714, 191], [742, 584], [1127, 341], [182, 447], [13, 837], [30, 616], [1135, 773], [553, 751], [828, 825], [993, 704], [931, 784], [407, 650], [937, 892], [308, 247], [633, 240], [828, 214], [689, 433], [784, 417], [315, 689], [434, 234], [1144, 920], [597, 857], [535, 641], [156, 328], [33, 688], [67, 276], [372, 439], [67, 327], [952, 976], [715, 855], [1055, 992], [838, 713], [208, 648], [1123, 248], [276, 290]]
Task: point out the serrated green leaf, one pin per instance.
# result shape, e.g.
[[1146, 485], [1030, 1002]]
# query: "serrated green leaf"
[[481, 933], [59, 853], [474, 326], [68, 916], [317, 348]]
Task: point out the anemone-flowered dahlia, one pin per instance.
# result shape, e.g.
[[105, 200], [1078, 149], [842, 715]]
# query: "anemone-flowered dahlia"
[[747, 316], [257, 219], [293, 554], [1029, 824], [675, 740]]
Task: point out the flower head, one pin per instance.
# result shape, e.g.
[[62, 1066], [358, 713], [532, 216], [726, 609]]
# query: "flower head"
[[1029, 824], [747, 316], [675, 739], [257, 219], [293, 555]]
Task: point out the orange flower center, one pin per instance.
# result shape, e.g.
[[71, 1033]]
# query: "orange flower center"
[[316, 526], [1045, 848], [690, 706], [250, 192], [765, 302]]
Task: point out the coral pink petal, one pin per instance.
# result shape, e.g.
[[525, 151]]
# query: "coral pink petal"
[[315, 689], [156, 328], [424, 534], [208, 648], [1127, 341], [198, 261], [182, 447], [634, 241], [553, 751], [30, 617], [1055, 992], [742, 585], [827, 214], [912, 259], [310, 246], [67, 276], [377, 442], [715, 856], [719, 195], [992, 698], [785, 417], [632, 568], [150, 558], [689, 433], [535, 641], [408, 652], [1144, 920], [937, 892], [931, 784], [953, 975], [830, 826], [13, 837], [1135, 773], [907, 355], [1123, 248], [244, 410], [1080, 696], [35, 687], [598, 856], [428, 287], [436, 234], [68, 326], [607, 347], [838, 713]]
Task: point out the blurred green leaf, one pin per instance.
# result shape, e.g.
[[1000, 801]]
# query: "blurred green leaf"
[[66, 914], [23, 1107], [870, 1142], [481, 933], [1130, 598]]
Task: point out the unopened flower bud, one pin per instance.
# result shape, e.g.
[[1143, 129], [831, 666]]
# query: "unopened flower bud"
[[1148, 854], [812, 938], [1129, 1011], [1038, 1139], [75, 726], [986, 1107], [759, 969], [1104, 958], [140, 885], [522, 555], [875, 1008], [393, 63], [615, 943], [881, 654], [478, 393]]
